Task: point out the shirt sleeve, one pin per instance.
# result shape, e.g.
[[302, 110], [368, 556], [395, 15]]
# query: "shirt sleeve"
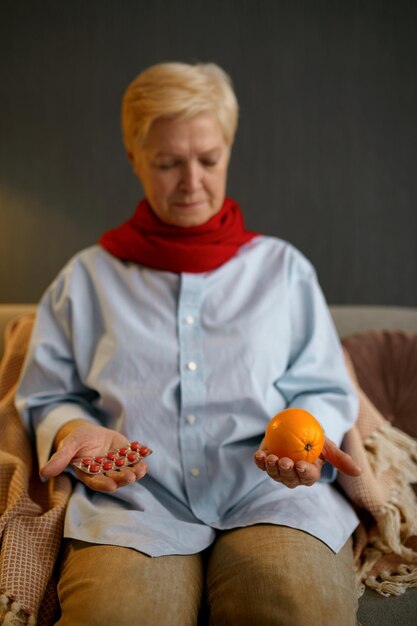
[[316, 379], [51, 392]]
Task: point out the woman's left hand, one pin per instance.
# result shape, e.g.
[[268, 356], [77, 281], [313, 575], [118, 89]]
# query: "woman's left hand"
[[290, 474]]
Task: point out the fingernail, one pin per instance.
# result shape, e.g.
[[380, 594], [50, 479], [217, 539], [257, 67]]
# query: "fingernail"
[[285, 466], [301, 470], [43, 479]]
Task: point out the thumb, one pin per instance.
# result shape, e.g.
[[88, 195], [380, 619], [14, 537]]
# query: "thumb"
[[339, 459], [59, 460]]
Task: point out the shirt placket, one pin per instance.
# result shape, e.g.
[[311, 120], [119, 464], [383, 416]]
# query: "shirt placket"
[[193, 395]]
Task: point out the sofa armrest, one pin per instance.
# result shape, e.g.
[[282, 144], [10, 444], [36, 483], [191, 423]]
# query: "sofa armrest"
[[8, 312]]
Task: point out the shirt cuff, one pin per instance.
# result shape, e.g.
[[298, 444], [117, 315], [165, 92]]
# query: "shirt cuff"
[[54, 420]]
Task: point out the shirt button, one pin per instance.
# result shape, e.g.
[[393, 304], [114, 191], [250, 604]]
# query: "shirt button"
[[192, 366], [195, 472], [189, 320], [191, 419]]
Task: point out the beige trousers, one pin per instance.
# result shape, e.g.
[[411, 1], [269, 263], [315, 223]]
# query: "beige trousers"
[[261, 575]]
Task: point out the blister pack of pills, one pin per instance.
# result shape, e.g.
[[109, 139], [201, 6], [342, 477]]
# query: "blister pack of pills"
[[113, 460]]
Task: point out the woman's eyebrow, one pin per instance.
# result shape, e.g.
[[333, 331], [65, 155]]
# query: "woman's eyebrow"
[[165, 153]]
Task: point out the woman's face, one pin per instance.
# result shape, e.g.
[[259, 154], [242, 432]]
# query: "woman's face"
[[183, 169]]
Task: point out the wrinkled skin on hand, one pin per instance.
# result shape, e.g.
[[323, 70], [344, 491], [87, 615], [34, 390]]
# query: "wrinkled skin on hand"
[[82, 438], [290, 474]]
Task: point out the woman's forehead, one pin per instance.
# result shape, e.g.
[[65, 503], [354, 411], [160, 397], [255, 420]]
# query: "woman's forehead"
[[201, 133]]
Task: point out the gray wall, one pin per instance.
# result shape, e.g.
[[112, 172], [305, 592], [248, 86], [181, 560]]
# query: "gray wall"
[[326, 150]]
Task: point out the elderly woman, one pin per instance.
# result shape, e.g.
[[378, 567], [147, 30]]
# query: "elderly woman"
[[188, 332]]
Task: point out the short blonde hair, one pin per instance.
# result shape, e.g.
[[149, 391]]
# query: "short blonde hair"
[[177, 90]]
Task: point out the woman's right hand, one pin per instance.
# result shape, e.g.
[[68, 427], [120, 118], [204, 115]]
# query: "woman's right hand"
[[81, 438]]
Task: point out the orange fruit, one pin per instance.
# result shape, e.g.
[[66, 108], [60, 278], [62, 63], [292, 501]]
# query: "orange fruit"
[[296, 434]]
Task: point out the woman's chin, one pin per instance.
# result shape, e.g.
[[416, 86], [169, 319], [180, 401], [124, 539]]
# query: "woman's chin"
[[190, 216]]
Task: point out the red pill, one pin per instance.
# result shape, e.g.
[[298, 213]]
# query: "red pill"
[[120, 462], [86, 461], [111, 455], [134, 445], [144, 451], [95, 467], [122, 451], [108, 465], [99, 459], [132, 456]]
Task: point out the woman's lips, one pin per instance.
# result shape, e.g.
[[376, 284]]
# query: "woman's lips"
[[190, 205]]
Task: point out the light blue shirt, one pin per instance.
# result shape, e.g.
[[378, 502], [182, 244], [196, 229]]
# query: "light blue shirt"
[[194, 366]]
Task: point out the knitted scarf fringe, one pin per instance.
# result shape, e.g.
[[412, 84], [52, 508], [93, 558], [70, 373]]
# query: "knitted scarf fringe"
[[390, 449], [11, 613]]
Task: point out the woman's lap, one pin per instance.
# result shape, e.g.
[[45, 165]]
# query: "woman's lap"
[[264, 574]]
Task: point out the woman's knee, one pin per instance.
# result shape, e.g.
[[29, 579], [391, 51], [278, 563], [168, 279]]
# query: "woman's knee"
[[275, 576], [113, 585]]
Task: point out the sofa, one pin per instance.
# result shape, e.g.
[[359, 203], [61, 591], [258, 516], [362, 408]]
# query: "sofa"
[[374, 609]]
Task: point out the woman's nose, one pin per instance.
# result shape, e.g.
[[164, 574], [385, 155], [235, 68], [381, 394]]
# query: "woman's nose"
[[191, 177]]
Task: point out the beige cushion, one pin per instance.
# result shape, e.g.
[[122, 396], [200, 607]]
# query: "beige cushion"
[[358, 319]]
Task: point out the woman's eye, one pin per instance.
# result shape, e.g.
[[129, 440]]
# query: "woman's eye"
[[166, 166]]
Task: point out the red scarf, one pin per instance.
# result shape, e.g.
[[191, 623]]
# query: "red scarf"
[[147, 240]]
